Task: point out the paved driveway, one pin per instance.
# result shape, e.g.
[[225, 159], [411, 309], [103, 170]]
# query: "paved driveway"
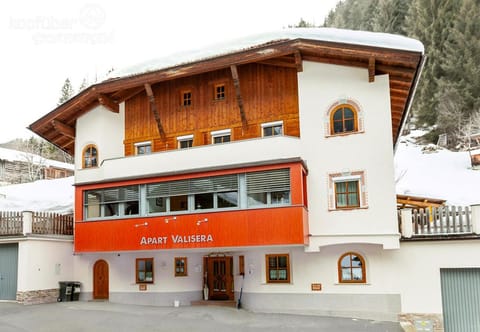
[[105, 316]]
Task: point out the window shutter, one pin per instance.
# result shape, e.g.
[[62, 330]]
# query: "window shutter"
[[268, 181], [214, 184], [111, 195], [157, 189], [129, 193]]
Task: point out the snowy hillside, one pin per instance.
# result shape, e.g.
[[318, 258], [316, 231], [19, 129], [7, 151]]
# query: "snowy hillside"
[[43, 195], [441, 174]]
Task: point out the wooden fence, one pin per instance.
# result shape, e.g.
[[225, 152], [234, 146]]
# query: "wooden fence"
[[443, 220], [52, 223], [11, 223], [48, 223]]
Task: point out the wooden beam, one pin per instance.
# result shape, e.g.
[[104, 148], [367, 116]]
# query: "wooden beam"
[[63, 129], [236, 83], [371, 69], [298, 61], [153, 108], [108, 103], [278, 63]]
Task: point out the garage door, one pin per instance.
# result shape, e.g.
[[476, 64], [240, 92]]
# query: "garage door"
[[461, 299], [8, 271]]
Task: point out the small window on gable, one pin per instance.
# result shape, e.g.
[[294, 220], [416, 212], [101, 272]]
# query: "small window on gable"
[[143, 148], [272, 128], [144, 270], [90, 156], [344, 118], [221, 136], [347, 190], [351, 268], [187, 98], [181, 266], [185, 142], [219, 92]]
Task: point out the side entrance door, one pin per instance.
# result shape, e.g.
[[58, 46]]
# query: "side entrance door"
[[220, 278], [100, 280], [8, 271]]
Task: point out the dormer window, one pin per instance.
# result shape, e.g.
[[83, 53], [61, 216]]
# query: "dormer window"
[[90, 156]]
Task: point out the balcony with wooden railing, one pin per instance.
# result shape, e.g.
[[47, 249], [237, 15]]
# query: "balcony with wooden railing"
[[35, 223], [443, 222]]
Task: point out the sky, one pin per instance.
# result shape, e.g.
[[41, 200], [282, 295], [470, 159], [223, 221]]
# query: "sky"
[[45, 42]]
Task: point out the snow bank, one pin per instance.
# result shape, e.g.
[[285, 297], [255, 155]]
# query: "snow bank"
[[442, 174], [354, 37], [43, 195]]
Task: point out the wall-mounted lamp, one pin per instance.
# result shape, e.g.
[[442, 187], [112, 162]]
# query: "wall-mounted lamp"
[[201, 221], [170, 219], [142, 224]]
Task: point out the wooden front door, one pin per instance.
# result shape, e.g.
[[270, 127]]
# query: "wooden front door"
[[100, 280], [220, 278]]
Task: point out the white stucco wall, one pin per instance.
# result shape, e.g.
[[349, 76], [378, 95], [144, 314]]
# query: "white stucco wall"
[[103, 128], [42, 263], [371, 151]]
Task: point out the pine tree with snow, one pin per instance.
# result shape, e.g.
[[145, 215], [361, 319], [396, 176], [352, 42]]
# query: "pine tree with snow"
[[66, 92]]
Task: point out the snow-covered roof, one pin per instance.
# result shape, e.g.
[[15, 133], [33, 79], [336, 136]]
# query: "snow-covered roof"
[[354, 37], [15, 155], [39, 196]]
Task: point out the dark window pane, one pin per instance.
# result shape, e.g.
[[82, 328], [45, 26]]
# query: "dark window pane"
[[349, 125], [179, 203], [227, 199], [204, 201], [157, 204], [338, 127], [347, 113], [131, 208], [338, 115]]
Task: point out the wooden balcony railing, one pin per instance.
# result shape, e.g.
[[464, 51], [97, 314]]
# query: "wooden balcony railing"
[[24, 223], [439, 221]]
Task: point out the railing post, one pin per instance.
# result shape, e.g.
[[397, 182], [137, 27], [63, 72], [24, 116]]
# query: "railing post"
[[27, 220], [476, 218], [407, 223]]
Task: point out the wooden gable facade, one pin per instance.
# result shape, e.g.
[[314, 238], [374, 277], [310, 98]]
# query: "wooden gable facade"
[[254, 93], [268, 94]]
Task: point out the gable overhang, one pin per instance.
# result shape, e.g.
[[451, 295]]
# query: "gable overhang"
[[402, 66]]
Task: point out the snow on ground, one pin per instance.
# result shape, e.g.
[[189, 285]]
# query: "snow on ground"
[[441, 174], [42, 195]]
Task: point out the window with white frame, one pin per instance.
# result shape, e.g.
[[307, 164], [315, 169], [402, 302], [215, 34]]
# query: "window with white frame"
[[221, 136], [143, 148], [185, 142], [272, 128], [347, 190]]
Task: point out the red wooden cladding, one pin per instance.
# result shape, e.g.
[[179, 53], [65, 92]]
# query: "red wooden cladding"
[[286, 225], [268, 93], [259, 227]]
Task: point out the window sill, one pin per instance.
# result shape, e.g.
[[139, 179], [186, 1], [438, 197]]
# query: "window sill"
[[345, 134], [349, 208], [352, 284]]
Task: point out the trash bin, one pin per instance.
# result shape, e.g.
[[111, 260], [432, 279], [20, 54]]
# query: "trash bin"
[[66, 288], [76, 290]]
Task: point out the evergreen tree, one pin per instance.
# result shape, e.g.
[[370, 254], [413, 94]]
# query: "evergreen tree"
[[67, 92], [83, 85]]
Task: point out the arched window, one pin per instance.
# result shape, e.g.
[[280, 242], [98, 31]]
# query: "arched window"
[[351, 268], [343, 119], [90, 156]]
